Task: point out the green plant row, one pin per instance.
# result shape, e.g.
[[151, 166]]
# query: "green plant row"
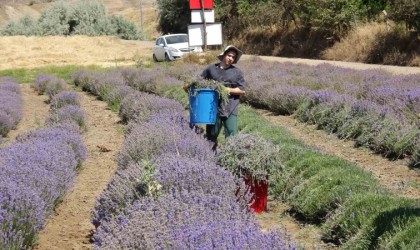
[[349, 204]]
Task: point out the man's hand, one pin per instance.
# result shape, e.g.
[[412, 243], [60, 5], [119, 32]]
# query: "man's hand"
[[236, 91]]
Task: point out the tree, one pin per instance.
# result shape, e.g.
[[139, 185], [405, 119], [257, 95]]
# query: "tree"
[[407, 11], [174, 16]]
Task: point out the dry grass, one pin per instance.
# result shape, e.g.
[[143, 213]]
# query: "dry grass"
[[372, 43], [357, 45], [205, 58], [282, 41], [32, 52]]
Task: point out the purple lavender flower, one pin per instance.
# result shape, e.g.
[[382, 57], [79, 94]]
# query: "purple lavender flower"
[[36, 172], [67, 114], [64, 98], [49, 84], [193, 220], [11, 105]]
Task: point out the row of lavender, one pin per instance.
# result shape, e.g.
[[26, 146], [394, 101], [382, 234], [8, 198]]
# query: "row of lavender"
[[316, 186], [38, 168], [168, 192], [372, 107], [11, 105]]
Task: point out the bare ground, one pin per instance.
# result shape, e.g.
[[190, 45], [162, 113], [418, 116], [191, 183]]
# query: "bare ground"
[[70, 227]]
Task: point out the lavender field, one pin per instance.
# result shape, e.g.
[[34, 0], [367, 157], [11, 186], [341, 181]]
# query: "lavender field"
[[377, 110], [166, 161], [38, 168], [161, 162]]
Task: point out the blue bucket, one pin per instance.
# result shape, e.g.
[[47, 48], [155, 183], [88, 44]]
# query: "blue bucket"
[[203, 106]]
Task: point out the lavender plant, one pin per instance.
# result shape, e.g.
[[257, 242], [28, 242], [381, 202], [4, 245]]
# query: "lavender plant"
[[141, 79], [128, 185], [163, 133], [140, 106], [67, 114], [9, 84], [358, 212], [194, 220], [32, 183], [49, 84], [11, 105], [60, 136], [173, 171], [37, 170], [63, 99], [249, 155]]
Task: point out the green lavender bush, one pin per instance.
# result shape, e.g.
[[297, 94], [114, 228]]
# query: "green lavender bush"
[[249, 155]]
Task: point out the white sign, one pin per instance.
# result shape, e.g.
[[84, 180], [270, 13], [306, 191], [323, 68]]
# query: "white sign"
[[196, 34], [197, 16]]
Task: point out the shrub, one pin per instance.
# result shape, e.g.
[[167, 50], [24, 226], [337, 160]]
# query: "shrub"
[[249, 155], [76, 18], [54, 21], [49, 84], [60, 136], [192, 220], [387, 226], [140, 106], [67, 114], [302, 165], [26, 26], [31, 184], [129, 184], [11, 105], [166, 131], [358, 212], [315, 197], [63, 99]]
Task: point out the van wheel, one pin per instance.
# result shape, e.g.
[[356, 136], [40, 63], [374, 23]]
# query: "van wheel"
[[167, 57], [154, 58]]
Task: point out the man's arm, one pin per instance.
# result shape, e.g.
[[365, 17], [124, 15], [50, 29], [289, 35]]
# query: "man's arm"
[[236, 91]]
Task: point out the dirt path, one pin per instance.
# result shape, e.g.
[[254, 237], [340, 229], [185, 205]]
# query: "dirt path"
[[70, 227]]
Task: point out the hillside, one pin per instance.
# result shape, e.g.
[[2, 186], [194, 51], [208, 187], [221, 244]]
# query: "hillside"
[[129, 9]]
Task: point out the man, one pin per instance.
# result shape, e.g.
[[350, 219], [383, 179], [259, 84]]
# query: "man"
[[232, 78]]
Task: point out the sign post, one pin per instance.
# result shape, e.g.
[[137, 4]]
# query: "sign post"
[[204, 25], [204, 31]]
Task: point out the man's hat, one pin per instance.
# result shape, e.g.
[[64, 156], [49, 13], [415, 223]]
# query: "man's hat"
[[231, 47]]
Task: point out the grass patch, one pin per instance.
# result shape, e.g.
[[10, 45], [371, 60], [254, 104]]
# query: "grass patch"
[[359, 212], [29, 75]]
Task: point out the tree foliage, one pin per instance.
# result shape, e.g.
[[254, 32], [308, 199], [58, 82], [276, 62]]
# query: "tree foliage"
[[407, 11], [333, 17], [174, 16]]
